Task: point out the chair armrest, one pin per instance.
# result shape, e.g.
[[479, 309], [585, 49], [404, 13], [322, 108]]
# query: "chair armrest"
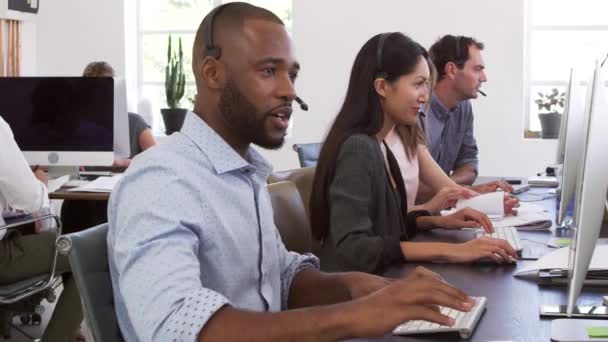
[[53, 262]]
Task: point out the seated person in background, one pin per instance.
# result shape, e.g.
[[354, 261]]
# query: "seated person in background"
[[194, 253], [419, 169], [26, 256], [358, 207], [79, 215], [448, 120], [140, 134]]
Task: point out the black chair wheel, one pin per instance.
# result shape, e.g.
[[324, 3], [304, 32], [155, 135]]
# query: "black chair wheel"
[[36, 319], [25, 319]]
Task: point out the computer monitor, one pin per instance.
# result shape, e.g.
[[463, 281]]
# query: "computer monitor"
[[564, 124], [571, 138], [590, 201], [592, 185], [66, 120]]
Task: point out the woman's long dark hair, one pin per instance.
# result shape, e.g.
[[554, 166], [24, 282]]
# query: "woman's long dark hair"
[[361, 112]]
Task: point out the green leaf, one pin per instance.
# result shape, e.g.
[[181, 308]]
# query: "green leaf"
[[555, 92]]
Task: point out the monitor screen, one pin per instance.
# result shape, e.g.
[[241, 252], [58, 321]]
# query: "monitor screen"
[[59, 113]]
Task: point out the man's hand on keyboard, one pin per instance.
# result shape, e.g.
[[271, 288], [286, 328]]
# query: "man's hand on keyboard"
[[416, 297], [466, 218], [482, 248]]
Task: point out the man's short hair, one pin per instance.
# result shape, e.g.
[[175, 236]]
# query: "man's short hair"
[[453, 49], [98, 69], [231, 16]]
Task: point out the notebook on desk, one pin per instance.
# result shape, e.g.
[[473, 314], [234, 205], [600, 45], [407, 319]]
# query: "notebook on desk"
[[101, 184]]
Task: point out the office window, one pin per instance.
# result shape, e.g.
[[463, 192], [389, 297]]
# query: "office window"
[[156, 20], [561, 34]]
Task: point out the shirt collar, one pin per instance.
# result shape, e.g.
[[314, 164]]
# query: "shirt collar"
[[221, 155]]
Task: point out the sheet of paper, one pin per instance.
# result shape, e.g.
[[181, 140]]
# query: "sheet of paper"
[[57, 183], [101, 184], [491, 204], [558, 259]]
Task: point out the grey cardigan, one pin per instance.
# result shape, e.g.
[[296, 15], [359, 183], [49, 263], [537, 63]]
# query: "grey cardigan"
[[367, 215]]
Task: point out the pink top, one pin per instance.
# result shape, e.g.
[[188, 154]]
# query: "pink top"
[[409, 167]]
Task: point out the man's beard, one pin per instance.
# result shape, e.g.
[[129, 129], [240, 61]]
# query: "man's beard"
[[241, 115]]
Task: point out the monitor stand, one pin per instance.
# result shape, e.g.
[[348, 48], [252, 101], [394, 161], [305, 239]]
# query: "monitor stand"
[[575, 330], [59, 171]]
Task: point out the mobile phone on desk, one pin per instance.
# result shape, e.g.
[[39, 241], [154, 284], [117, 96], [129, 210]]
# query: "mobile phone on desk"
[[513, 181]]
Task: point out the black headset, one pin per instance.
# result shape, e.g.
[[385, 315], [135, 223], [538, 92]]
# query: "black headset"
[[458, 56], [216, 52], [380, 73]]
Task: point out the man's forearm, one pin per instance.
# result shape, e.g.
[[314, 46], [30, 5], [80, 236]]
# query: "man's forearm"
[[464, 175], [325, 323], [311, 287]]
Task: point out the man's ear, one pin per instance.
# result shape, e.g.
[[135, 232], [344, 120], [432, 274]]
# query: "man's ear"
[[380, 85], [212, 73], [450, 70]]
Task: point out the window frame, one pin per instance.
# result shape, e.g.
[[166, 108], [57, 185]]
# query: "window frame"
[[141, 33], [530, 28]]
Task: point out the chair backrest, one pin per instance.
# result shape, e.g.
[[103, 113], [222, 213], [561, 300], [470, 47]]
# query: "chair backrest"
[[303, 179], [308, 154], [290, 216], [88, 256]]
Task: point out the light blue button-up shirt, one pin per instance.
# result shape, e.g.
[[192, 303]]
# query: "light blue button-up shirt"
[[451, 140], [192, 230]]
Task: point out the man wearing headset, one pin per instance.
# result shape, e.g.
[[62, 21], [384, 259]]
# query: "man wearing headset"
[[448, 120], [193, 250]]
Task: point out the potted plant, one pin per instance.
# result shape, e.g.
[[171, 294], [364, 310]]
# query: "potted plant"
[[175, 82], [553, 104]]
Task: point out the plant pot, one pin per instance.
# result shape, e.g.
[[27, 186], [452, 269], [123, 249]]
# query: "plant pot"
[[549, 122], [173, 118]]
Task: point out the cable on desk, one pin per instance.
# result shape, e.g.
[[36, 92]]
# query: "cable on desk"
[[543, 197], [540, 243]]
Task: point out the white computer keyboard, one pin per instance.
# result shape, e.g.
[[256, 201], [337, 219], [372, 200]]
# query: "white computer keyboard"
[[464, 324], [509, 234]]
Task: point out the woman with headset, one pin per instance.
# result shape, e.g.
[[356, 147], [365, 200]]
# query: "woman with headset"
[[358, 207]]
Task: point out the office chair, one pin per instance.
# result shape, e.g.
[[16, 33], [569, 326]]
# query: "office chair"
[[24, 296], [308, 154], [303, 179], [290, 216], [88, 256]]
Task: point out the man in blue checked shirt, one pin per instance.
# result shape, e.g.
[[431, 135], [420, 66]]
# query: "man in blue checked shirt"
[[194, 253]]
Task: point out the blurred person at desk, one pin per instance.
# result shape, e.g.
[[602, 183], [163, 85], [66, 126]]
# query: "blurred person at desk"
[[24, 255], [77, 214], [140, 135]]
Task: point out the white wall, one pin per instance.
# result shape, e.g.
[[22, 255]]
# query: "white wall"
[[72, 33], [28, 49], [328, 35]]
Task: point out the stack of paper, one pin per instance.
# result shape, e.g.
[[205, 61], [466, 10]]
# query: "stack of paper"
[[558, 259], [529, 217], [101, 184]]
